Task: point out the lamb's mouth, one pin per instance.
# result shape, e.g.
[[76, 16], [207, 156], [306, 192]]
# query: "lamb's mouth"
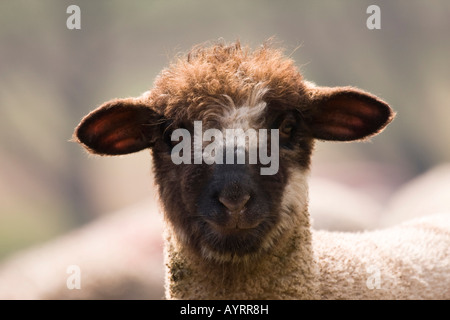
[[235, 223], [232, 230]]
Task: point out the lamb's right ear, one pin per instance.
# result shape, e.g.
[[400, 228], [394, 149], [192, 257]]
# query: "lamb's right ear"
[[119, 126]]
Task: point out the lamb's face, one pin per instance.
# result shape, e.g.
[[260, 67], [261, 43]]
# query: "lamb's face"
[[222, 206], [225, 207]]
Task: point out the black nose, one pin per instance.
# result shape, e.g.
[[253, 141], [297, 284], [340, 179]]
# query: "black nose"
[[235, 203]]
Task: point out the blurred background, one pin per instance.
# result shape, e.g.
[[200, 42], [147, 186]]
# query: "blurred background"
[[50, 77]]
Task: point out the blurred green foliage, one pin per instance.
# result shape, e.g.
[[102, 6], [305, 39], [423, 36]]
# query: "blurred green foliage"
[[51, 76]]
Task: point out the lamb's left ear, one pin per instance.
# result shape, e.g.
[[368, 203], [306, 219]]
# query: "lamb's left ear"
[[117, 127], [346, 113]]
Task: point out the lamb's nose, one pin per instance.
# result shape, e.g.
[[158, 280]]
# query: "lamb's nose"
[[235, 204]]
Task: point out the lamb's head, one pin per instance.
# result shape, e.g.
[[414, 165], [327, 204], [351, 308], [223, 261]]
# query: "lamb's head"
[[219, 207]]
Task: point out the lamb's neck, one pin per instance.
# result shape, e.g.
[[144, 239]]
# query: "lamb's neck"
[[285, 272]]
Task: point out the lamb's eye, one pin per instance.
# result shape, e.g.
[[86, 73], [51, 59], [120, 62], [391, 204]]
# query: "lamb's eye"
[[167, 138], [286, 128], [168, 129]]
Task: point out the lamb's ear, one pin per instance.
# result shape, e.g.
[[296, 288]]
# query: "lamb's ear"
[[346, 113], [117, 127]]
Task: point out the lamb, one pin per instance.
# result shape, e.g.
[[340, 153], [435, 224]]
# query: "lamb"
[[232, 232]]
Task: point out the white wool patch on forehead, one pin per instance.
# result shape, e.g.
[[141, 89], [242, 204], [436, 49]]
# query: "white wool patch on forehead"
[[240, 134], [248, 115], [244, 117], [244, 120]]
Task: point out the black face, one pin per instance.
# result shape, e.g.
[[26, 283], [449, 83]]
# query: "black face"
[[237, 208], [228, 210]]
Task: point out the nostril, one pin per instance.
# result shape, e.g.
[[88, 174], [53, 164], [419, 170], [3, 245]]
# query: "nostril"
[[235, 204]]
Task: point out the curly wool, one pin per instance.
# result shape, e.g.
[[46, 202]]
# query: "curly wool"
[[207, 73]]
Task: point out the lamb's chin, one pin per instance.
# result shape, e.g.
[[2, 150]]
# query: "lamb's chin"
[[224, 245]]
